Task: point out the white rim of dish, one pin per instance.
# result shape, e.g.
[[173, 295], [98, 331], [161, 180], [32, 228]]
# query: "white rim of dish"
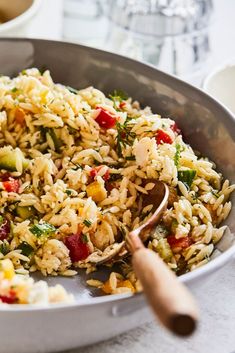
[[217, 70], [211, 267], [21, 18]]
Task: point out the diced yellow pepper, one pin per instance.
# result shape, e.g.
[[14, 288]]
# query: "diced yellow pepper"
[[44, 96], [7, 268], [80, 209], [97, 191], [106, 288], [127, 284]]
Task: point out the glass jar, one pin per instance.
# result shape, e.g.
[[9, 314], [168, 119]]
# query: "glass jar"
[[84, 22], [170, 34]]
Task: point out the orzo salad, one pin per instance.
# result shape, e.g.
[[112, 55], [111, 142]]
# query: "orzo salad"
[[74, 166]]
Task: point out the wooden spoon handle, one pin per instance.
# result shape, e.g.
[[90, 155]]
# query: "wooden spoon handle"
[[170, 300]]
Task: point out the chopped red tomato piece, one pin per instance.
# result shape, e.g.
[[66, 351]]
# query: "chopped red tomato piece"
[[106, 176], [175, 128], [105, 119], [9, 299], [78, 250], [94, 171], [5, 228], [122, 104], [11, 185], [163, 137], [179, 243]]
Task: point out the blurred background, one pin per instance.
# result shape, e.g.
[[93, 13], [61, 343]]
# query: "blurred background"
[[187, 38]]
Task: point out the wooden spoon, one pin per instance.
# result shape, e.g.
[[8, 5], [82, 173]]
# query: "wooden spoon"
[[170, 300]]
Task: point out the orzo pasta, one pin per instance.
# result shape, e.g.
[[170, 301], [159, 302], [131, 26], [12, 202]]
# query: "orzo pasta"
[[74, 166]]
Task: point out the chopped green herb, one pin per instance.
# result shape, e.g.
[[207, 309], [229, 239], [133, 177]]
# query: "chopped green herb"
[[97, 162], [57, 142], [25, 248], [43, 69], [4, 247], [87, 222], [130, 158], [72, 130], [77, 166], [143, 215], [123, 231], [1, 219], [41, 229], [187, 177], [118, 95], [174, 225], [216, 194], [69, 192], [124, 136], [72, 90], [84, 238], [14, 90], [177, 155], [23, 72], [114, 177]]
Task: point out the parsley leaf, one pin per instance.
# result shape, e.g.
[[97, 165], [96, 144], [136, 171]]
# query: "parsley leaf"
[[124, 136], [130, 158]]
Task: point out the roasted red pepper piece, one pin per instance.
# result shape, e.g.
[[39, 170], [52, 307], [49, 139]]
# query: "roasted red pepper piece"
[[182, 243], [11, 185], [175, 128], [163, 137], [9, 299], [78, 250], [105, 119], [106, 176], [5, 228], [94, 171], [122, 104]]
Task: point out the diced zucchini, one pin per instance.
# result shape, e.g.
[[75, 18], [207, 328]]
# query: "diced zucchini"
[[187, 177], [160, 232], [42, 229], [164, 250], [4, 247], [25, 248], [25, 212], [9, 158]]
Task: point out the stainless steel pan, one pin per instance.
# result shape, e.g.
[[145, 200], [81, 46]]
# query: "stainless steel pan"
[[209, 128]]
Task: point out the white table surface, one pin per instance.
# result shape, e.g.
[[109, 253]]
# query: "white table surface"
[[216, 333]]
